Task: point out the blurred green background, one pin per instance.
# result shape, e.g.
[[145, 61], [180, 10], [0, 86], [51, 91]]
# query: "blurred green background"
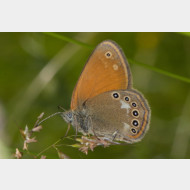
[[38, 72]]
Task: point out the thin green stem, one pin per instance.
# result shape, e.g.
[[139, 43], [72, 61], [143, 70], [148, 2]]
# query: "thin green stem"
[[48, 147], [67, 39], [152, 68], [54, 144], [160, 71]]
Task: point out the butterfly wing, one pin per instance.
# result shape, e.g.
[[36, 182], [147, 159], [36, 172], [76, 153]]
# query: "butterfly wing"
[[107, 69], [125, 116]]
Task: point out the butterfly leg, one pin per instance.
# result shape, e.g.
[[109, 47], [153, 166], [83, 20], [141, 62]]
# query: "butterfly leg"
[[95, 134], [91, 125], [76, 132], [69, 126]]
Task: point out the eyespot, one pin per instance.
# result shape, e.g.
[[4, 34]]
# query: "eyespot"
[[135, 123], [134, 104], [133, 130], [108, 54], [127, 98], [115, 95], [135, 113]]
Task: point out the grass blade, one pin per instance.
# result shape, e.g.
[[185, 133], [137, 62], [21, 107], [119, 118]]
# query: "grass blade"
[[160, 71], [152, 68], [185, 33], [67, 39]]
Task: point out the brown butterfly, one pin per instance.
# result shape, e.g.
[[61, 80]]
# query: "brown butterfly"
[[104, 103]]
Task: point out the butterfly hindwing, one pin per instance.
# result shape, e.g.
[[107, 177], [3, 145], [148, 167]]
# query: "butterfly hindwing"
[[124, 112]]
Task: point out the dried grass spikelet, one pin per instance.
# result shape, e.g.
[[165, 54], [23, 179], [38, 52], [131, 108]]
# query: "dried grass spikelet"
[[89, 143], [18, 154]]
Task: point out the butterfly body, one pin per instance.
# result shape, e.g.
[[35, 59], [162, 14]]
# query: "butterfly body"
[[104, 103]]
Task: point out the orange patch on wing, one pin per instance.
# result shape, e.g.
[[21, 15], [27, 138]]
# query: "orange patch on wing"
[[102, 74]]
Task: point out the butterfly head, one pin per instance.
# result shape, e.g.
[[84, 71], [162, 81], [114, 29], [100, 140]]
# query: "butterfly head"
[[68, 116]]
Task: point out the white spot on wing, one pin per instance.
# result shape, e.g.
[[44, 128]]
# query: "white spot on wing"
[[125, 105], [126, 126], [115, 67]]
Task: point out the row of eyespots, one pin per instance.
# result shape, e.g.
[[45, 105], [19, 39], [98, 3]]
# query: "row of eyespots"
[[116, 95], [135, 112], [135, 123], [133, 103]]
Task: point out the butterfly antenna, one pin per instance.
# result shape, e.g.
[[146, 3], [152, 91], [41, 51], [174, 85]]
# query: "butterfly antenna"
[[48, 118], [61, 108]]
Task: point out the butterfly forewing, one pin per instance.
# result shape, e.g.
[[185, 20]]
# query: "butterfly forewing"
[[107, 69]]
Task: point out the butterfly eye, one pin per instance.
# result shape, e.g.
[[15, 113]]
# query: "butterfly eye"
[[127, 99], [134, 104], [133, 130], [135, 113], [70, 115], [108, 54], [116, 95], [135, 123]]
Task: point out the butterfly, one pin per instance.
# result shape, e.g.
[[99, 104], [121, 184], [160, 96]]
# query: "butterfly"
[[104, 102]]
